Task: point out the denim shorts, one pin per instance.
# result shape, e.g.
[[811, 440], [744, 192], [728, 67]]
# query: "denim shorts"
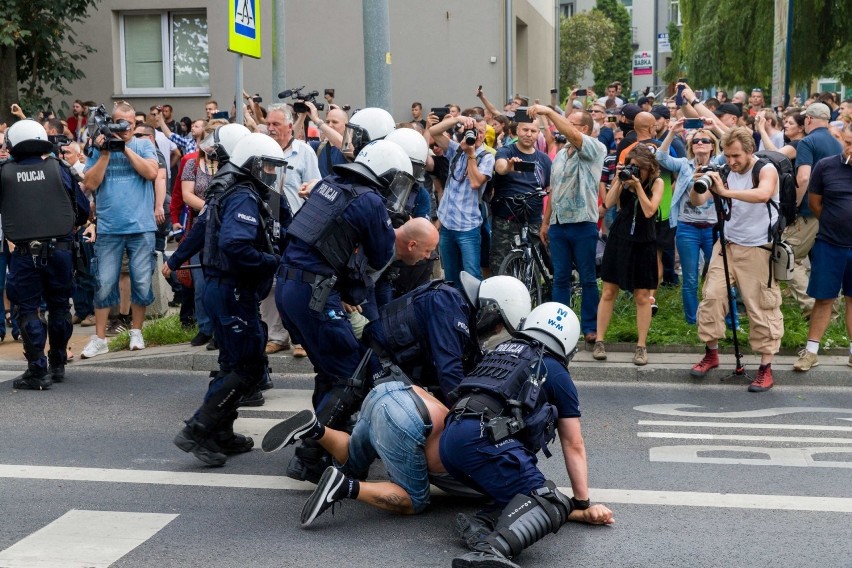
[[831, 271], [390, 427], [109, 250]]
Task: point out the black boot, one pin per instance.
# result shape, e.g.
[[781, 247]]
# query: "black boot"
[[254, 398], [34, 378], [229, 441], [196, 438], [56, 364], [309, 462]]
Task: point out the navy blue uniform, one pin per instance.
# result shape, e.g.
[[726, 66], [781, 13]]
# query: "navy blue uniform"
[[508, 468], [50, 279]]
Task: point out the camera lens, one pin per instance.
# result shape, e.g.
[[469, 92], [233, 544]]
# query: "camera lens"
[[702, 184]]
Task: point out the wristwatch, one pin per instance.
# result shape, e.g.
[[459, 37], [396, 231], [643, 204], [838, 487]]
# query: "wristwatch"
[[694, 101], [580, 504]]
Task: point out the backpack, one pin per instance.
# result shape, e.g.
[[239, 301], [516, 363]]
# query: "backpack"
[[788, 206]]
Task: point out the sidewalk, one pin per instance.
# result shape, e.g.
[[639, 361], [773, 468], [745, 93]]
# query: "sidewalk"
[[669, 366]]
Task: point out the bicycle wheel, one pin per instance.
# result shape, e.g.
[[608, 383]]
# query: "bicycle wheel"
[[515, 265]]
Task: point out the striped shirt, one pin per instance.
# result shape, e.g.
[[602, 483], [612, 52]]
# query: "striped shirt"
[[459, 207]]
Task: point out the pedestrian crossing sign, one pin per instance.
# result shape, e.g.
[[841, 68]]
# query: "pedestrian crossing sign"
[[244, 27]]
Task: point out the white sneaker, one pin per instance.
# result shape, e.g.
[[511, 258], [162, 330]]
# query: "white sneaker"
[[136, 341], [95, 347]]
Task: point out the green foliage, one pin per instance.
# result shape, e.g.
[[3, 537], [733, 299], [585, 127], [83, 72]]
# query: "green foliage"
[[619, 66], [46, 49], [162, 331], [584, 39], [673, 72], [729, 42]]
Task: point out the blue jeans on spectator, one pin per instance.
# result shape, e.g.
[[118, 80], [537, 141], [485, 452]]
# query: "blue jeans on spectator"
[[85, 284], [108, 252], [390, 427], [690, 242], [202, 318], [574, 244], [460, 251], [5, 256]]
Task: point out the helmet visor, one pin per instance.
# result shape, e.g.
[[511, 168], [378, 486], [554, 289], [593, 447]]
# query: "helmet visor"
[[419, 171], [209, 146], [354, 139], [398, 191], [269, 171]]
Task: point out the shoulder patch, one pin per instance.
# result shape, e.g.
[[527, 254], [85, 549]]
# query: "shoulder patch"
[[462, 326], [244, 218], [389, 223]]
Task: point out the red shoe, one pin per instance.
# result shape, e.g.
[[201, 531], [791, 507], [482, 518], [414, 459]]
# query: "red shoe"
[[763, 382], [710, 361]]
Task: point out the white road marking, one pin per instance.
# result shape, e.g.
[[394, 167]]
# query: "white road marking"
[[284, 400], [255, 427], [792, 457], [627, 496], [84, 539], [678, 424], [743, 438], [9, 375], [672, 410]]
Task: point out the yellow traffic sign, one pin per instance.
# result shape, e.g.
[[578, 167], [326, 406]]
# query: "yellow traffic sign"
[[244, 27]]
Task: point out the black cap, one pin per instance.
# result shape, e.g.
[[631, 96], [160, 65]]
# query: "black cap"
[[629, 111], [728, 108], [642, 101], [661, 111]]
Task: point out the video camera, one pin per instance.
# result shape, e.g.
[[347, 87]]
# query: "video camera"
[[58, 141], [705, 182], [101, 122], [301, 98]]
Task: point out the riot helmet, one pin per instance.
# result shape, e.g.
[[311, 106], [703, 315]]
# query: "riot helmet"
[[260, 157], [415, 146], [556, 327], [386, 166], [220, 143], [367, 125], [497, 300], [27, 138]]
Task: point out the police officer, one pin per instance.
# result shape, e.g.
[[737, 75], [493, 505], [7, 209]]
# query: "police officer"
[[508, 409], [239, 261], [40, 205], [337, 245], [366, 125]]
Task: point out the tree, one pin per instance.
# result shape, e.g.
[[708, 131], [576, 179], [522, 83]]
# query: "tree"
[[583, 39], [619, 66], [39, 50]]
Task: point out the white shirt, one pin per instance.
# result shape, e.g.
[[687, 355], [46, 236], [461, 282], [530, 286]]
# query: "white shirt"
[[301, 167]]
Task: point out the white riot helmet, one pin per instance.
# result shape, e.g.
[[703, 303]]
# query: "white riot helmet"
[[499, 299], [27, 138], [556, 326], [415, 146], [386, 166], [262, 158], [367, 125], [221, 142]]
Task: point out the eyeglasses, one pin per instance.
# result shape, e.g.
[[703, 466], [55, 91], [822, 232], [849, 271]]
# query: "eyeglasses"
[[595, 110], [702, 141], [757, 90], [140, 135]]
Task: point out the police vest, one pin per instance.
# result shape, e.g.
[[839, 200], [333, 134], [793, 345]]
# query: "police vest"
[[214, 256], [403, 334], [507, 383], [320, 225], [34, 203]]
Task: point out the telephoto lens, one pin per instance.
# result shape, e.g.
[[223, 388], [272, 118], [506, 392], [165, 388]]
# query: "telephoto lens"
[[470, 137]]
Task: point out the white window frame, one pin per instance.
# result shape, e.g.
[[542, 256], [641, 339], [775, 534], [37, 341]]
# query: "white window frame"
[[674, 6], [629, 9], [167, 40], [564, 4]]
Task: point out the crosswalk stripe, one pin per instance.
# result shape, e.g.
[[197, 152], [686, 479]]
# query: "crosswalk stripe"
[[679, 424], [284, 400], [90, 539], [743, 438], [8, 375], [255, 427]]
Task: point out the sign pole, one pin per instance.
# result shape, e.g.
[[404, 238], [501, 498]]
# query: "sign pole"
[[238, 81], [243, 39]]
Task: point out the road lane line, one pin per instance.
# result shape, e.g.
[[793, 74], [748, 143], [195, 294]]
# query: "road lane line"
[[743, 438], [284, 400], [674, 410], [678, 424], [625, 496], [9, 375], [91, 539], [255, 427]]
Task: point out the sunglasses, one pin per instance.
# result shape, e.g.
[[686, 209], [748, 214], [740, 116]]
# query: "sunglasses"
[[140, 135], [702, 141]]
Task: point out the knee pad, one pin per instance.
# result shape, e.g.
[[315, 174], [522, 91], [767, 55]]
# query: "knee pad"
[[222, 398], [528, 519], [32, 333], [341, 403]]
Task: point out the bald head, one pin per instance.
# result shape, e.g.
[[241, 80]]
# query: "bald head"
[[645, 125], [416, 240]]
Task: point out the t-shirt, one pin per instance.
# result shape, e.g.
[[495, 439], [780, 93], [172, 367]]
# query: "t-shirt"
[[750, 222], [812, 148], [832, 179], [125, 199], [191, 172], [521, 183]]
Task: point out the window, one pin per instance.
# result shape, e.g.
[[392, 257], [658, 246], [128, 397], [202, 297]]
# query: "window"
[[674, 12], [164, 52], [566, 9], [628, 5]]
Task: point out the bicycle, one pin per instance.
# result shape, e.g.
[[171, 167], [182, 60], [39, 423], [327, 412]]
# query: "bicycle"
[[526, 261]]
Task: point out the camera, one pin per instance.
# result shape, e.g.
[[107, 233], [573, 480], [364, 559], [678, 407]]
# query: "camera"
[[628, 172], [560, 138], [301, 98], [470, 136], [502, 427], [257, 99], [58, 141], [705, 182], [101, 122]]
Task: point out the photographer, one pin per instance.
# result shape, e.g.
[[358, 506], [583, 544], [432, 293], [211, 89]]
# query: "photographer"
[[121, 169], [630, 256], [747, 233]]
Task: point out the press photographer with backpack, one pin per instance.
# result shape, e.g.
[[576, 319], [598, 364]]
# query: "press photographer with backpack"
[[749, 234]]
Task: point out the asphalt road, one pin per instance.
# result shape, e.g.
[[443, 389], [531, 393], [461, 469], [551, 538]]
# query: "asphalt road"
[[89, 477]]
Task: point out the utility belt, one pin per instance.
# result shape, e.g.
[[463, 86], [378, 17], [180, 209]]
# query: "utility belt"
[[42, 249], [321, 285], [488, 410], [422, 410]]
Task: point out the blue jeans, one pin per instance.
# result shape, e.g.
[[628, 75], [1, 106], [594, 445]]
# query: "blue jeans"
[[574, 244], [390, 427], [690, 242], [108, 252], [85, 284], [460, 251]]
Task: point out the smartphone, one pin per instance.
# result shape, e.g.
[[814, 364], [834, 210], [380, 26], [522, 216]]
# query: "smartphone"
[[582, 92], [679, 96], [257, 99], [693, 123], [521, 115], [553, 91], [524, 166], [612, 119], [330, 92], [221, 114], [440, 112]]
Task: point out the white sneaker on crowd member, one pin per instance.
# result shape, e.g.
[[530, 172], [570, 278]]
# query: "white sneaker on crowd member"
[[95, 347], [136, 341]]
